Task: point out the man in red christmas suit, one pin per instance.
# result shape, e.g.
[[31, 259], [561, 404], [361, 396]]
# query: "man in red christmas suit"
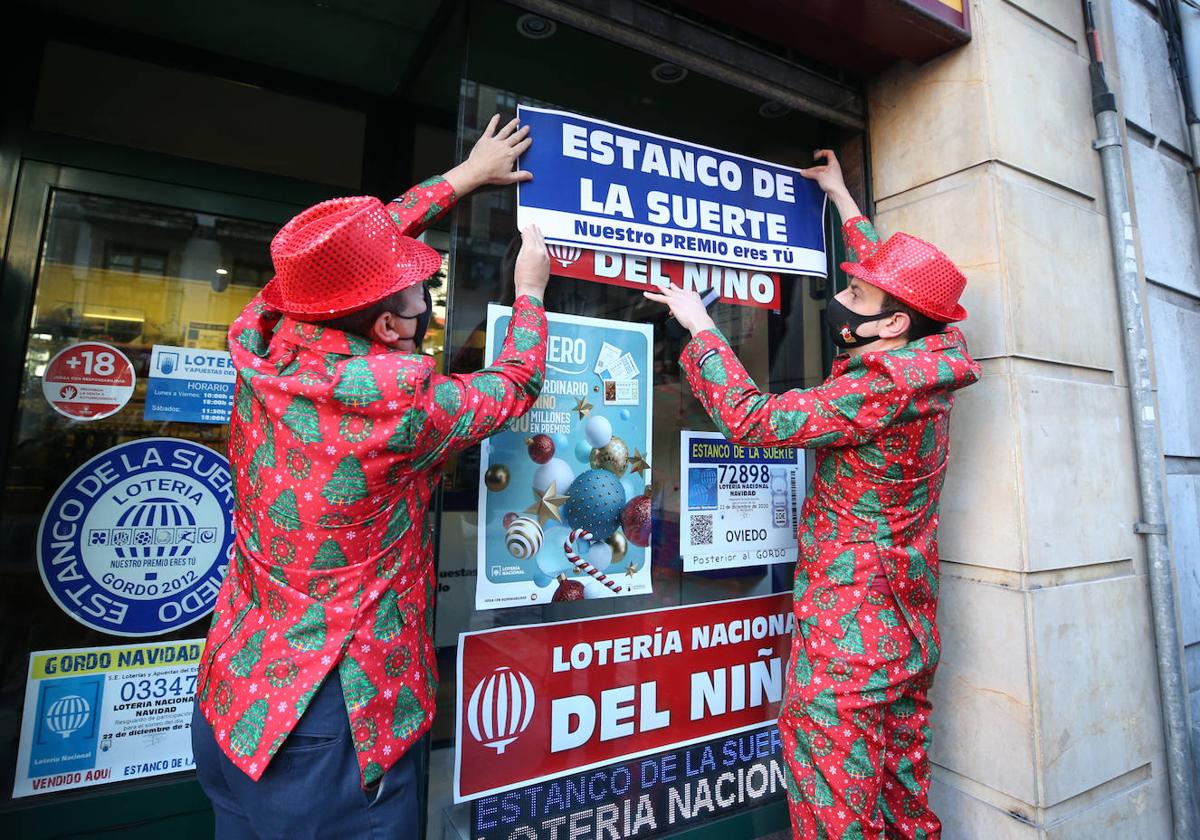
[[855, 716], [319, 672]]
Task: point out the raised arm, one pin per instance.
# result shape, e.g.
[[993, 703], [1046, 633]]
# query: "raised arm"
[[455, 412], [857, 230], [491, 161]]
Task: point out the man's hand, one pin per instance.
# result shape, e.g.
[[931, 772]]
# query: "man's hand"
[[492, 159], [828, 176], [687, 308], [533, 264]]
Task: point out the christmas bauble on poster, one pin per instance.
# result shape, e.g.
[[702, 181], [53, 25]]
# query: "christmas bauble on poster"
[[635, 521], [613, 456], [595, 504], [541, 448]]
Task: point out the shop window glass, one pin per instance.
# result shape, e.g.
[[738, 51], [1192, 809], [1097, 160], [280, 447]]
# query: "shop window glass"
[[128, 275], [781, 349]]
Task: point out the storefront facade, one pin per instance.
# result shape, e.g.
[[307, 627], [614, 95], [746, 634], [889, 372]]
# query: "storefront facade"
[[148, 155]]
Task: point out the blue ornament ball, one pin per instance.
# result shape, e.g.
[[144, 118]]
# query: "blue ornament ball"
[[583, 452], [597, 499], [541, 581], [560, 441], [625, 414]]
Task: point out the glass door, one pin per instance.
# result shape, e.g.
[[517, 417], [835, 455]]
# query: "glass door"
[[116, 299]]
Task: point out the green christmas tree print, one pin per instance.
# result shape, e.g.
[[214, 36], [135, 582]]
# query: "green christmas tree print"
[[713, 370], [243, 402], [785, 424], [803, 751], [329, 556], [357, 386], [853, 831], [309, 632], [388, 625], [348, 484], [816, 789], [852, 638], [247, 732], [875, 688], [533, 385], [304, 699], [928, 441], [906, 775], [372, 773], [841, 569], [800, 583], [525, 339], [407, 716], [802, 670], [358, 346], [399, 522], [847, 405], [448, 396], [489, 384], [302, 418], [283, 511], [409, 425], [858, 764], [356, 685], [823, 708], [253, 341], [913, 662], [264, 455], [243, 662]]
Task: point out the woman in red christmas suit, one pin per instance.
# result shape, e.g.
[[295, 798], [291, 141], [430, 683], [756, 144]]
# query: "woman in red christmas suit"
[[855, 716]]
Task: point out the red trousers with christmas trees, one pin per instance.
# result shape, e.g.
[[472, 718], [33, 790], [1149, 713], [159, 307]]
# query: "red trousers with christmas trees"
[[855, 725]]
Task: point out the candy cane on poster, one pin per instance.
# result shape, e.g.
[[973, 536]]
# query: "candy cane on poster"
[[583, 565]]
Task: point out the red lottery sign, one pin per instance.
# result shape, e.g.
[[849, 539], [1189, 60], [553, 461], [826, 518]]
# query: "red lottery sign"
[[88, 381], [542, 701], [736, 285]]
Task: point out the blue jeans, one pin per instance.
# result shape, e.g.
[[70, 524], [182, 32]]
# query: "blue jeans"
[[312, 787]]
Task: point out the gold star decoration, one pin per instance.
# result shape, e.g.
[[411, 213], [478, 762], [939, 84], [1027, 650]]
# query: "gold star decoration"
[[546, 505], [638, 463], [583, 407], [632, 570]]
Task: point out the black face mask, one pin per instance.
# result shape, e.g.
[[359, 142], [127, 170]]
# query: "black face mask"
[[422, 320], [843, 323]]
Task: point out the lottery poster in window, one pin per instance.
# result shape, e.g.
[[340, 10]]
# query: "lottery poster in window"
[[106, 714], [564, 509], [739, 505]]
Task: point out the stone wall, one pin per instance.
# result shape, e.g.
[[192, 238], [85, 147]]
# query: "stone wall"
[[1046, 721]]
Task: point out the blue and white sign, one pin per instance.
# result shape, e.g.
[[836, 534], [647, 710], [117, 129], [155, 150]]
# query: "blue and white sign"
[[106, 714], [188, 385], [607, 187], [740, 506], [643, 797], [136, 541]]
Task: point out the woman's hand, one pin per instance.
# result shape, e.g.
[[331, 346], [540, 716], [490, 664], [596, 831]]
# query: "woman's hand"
[[686, 306], [533, 264], [493, 158]]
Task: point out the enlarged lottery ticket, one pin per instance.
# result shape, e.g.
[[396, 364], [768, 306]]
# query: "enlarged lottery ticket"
[[740, 507]]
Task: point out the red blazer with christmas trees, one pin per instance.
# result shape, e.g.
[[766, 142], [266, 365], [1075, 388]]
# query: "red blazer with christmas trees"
[[880, 425], [336, 445]]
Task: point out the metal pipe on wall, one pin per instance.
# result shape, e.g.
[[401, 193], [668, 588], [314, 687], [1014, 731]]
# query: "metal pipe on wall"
[[1148, 451]]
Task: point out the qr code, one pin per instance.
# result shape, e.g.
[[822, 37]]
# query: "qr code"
[[702, 533]]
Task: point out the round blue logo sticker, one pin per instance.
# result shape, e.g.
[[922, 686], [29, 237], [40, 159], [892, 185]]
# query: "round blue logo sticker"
[[136, 542]]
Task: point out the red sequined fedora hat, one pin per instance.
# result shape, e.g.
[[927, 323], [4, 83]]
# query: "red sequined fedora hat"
[[343, 255], [915, 273]]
